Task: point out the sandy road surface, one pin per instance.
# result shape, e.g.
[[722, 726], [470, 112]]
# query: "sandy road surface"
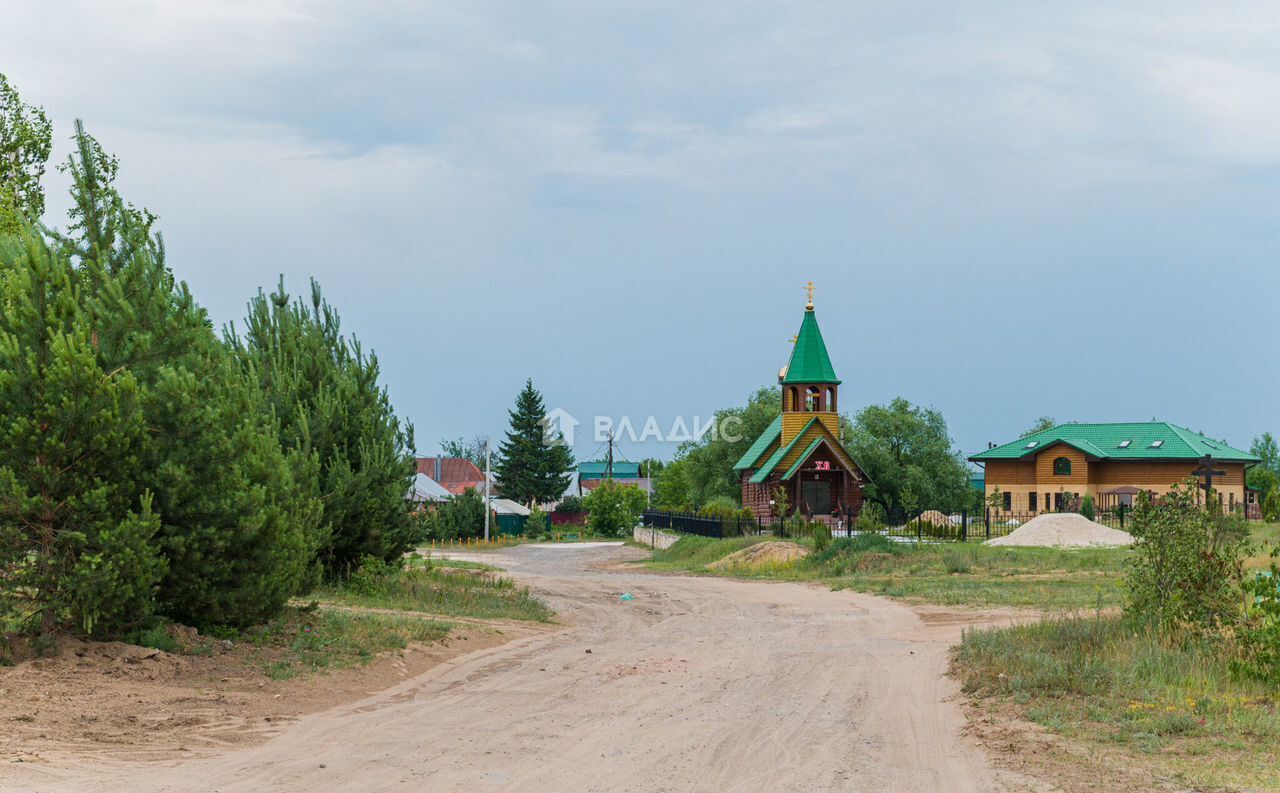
[[699, 684]]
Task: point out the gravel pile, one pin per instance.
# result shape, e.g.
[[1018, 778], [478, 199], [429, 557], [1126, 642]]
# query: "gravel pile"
[[1064, 530]]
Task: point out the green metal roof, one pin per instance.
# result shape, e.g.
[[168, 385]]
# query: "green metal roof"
[[766, 439], [777, 456], [818, 441], [595, 469], [1151, 440], [809, 360]]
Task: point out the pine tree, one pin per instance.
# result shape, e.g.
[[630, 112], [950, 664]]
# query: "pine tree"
[[76, 527], [237, 530], [324, 390], [530, 467]]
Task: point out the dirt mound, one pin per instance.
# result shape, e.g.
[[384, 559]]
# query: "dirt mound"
[[1064, 530], [934, 518], [762, 554]]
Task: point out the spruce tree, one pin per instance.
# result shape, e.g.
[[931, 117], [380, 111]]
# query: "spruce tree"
[[76, 526], [531, 468]]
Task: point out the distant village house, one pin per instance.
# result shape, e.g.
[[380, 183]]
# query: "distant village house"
[[1113, 463]]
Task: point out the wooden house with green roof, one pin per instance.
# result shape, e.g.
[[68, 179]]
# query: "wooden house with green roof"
[[801, 451], [1111, 462]]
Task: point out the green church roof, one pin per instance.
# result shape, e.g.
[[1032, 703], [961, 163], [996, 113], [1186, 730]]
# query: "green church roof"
[[753, 454], [776, 457], [1151, 440], [809, 360]]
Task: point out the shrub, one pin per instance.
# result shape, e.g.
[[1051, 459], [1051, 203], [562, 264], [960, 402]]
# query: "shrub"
[[1271, 505], [720, 507], [955, 561], [871, 519], [614, 509], [157, 636], [371, 576], [458, 518], [1259, 632], [1086, 507], [569, 505], [1185, 564], [821, 533], [537, 523], [855, 547]]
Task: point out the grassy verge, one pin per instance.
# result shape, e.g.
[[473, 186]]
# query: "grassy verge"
[[1099, 680], [306, 639], [455, 564], [947, 574], [433, 589], [327, 639]]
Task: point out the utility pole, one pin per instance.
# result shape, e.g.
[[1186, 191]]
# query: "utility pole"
[[608, 466], [648, 487], [488, 473]]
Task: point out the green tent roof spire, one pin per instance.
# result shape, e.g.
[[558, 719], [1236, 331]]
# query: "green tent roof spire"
[[809, 360]]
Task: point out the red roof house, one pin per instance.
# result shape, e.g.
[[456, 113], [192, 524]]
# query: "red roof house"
[[454, 474]]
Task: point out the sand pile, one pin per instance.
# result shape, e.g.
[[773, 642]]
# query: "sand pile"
[[934, 518], [762, 554], [1064, 530]]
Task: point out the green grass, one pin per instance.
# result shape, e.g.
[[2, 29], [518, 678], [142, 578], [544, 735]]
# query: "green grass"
[[954, 574], [1266, 538], [455, 564], [326, 639], [452, 591], [1099, 679], [693, 554]]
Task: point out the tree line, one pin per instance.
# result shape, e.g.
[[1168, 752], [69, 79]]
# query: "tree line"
[[150, 467]]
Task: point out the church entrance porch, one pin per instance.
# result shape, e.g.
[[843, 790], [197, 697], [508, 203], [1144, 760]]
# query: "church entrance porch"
[[821, 492]]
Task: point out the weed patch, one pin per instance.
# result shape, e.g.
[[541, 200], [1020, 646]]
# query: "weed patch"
[[451, 591], [1106, 680]]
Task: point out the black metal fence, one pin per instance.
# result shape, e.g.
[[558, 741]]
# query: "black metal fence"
[[928, 526], [702, 525]]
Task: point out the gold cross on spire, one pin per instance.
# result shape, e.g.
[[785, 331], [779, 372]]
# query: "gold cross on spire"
[[809, 288], [795, 338]]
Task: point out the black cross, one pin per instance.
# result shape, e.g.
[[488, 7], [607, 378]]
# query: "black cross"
[[1207, 473]]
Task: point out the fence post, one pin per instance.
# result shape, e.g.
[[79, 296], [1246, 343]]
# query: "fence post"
[[919, 529], [988, 522], [964, 525]]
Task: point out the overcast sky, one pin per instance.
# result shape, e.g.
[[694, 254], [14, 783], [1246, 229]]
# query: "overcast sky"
[[1009, 209]]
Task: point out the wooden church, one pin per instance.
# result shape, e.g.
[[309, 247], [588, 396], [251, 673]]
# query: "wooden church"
[[800, 456]]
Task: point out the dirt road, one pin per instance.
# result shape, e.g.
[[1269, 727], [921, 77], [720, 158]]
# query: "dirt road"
[[698, 684]]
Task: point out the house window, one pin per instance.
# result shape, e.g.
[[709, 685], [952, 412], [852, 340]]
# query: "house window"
[[1008, 502], [1032, 502], [1058, 499], [1062, 467]]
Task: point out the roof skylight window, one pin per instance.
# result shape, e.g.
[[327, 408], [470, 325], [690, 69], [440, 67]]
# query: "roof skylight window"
[[1033, 444], [1157, 444], [1125, 444]]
